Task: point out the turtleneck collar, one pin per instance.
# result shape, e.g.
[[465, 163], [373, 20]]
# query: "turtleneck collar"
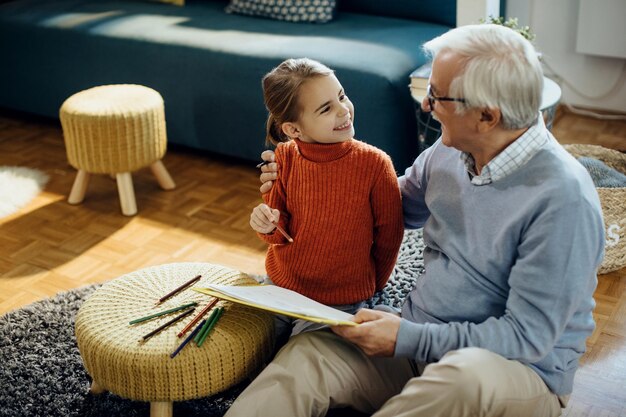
[[324, 152]]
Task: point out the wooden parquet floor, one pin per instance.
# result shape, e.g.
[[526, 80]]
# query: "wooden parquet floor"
[[50, 246]]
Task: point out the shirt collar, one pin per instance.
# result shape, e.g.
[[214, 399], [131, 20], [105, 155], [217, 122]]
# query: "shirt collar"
[[511, 158]]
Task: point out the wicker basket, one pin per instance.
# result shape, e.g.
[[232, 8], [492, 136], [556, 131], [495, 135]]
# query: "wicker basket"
[[613, 202]]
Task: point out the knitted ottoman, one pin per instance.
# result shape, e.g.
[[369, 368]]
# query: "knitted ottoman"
[[238, 345], [115, 129]]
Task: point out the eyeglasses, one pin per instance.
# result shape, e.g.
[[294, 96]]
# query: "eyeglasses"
[[432, 99]]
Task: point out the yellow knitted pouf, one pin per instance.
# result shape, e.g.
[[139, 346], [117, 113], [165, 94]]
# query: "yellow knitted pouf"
[[115, 129], [238, 345]]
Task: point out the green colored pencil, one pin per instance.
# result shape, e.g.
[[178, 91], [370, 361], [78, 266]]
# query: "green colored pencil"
[[166, 325], [217, 317], [162, 313], [206, 325]]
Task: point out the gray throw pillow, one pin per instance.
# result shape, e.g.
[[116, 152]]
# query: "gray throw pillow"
[[311, 11]]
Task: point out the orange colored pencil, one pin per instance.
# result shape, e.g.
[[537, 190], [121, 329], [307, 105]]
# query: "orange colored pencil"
[[282, 231], [198, 317]]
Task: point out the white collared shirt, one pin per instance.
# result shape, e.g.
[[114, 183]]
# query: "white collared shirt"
[[511, 158]]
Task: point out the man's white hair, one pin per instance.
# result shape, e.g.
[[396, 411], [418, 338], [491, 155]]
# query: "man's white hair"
[[501, 70]]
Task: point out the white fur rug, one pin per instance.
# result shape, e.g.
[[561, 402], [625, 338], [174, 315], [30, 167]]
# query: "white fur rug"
[[18, 186]]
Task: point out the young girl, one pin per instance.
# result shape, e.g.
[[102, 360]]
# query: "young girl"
[[337, 197]]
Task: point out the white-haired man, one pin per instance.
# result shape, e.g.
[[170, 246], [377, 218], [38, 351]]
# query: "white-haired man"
[[514, 235]]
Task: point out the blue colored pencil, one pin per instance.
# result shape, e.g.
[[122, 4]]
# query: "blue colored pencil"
[[188, 339]]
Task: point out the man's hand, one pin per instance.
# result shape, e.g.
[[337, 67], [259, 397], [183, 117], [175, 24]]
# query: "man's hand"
[[263, 218], [268, 172], [376, 334]]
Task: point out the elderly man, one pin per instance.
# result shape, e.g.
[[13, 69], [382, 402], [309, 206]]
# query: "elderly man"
[[514, 235]]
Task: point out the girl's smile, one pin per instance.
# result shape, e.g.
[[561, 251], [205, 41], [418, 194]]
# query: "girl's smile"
[[326, 114]]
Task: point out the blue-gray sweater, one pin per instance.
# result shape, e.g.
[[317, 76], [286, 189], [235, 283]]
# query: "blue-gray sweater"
[[510, 266]]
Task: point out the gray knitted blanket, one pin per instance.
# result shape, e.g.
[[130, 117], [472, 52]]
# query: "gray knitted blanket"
[[603, 175], [409, 266]]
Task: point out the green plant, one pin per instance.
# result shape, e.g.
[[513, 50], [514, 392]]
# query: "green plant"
[[512, 24]]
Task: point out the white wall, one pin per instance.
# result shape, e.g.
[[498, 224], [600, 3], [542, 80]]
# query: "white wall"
[[587, 81]]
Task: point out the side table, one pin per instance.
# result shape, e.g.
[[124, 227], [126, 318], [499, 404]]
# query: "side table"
[[429, 130]]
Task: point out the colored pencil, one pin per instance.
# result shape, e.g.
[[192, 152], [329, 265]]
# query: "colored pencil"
[[162, 313], [206, 325], [198, 317], [282, 231], [188, 339], [179, 289], [211, 326], [166, 325]]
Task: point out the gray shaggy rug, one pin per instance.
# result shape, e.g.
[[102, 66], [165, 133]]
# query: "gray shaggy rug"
[[41, 372]]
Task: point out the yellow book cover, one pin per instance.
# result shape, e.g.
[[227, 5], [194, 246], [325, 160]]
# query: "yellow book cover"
[[419, 77], [418, 94]]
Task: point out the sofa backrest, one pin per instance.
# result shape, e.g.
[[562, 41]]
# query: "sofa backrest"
[[436, 11]]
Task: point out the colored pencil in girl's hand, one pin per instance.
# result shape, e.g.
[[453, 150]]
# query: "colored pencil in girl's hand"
[[282, 232], [179, 289]]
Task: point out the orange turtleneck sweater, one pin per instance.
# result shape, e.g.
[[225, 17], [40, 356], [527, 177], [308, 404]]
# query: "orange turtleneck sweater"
[[341, 205]]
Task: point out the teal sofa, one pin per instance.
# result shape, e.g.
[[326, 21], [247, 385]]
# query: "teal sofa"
[[208, 64]]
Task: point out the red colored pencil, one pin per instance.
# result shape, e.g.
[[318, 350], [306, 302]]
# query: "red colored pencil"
[[282, 231], [198, 317]]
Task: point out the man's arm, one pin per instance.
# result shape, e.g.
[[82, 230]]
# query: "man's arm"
[[413, 186], [551, 281]]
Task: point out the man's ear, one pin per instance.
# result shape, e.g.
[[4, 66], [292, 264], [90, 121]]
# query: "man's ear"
[[290, 129], [489, 118]]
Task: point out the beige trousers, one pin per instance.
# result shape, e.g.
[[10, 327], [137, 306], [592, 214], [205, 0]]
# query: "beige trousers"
[[319, 370]]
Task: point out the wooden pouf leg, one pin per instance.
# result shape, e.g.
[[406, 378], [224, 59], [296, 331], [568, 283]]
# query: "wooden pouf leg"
[[77, 195], [163, 177], [161, 409], [127, 194], [95, 388]]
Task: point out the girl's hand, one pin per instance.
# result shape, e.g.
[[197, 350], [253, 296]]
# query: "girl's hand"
[[263, 218]]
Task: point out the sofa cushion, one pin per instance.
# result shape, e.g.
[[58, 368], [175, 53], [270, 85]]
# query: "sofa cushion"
[[312, 11], [439, 11]]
